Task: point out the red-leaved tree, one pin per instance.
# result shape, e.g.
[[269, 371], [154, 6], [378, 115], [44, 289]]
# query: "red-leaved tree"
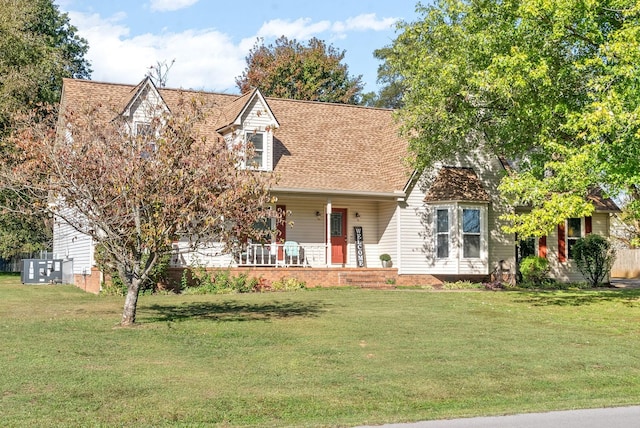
[[135, 193]]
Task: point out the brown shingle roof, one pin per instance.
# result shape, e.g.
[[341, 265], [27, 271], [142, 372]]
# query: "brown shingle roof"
[[601, 203], [457, 184], [318, 146]]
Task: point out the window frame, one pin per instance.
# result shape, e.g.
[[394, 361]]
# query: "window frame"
[[439, 233], [464, 235], [248, 137], [571, 240]]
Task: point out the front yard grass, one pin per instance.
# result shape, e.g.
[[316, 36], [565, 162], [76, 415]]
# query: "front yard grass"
[[330, 357]]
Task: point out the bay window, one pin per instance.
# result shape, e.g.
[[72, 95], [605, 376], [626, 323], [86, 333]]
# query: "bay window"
[[442, 233], [470, 233]]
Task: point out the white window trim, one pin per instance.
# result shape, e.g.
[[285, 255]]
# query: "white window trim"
[[484, 232], [567, 237], [463, 233], [450, 233], [263, 163]]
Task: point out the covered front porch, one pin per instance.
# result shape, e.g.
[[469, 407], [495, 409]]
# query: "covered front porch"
[[316, 232]]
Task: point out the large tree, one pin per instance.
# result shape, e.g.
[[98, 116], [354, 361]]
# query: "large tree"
[[289, 69], [38, 48], [392, 90], [133, 192], [552, 85]]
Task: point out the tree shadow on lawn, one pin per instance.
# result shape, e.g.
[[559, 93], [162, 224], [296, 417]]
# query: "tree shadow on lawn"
[[581, 298], [233, 311]]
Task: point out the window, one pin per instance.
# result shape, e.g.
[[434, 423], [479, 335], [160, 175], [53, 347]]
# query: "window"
[[442, 233], [526, 248], [257, 140], [143, 129], [574, 232], [470, 233]]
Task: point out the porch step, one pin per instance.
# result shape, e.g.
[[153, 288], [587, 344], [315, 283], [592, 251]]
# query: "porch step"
[[379, 278]]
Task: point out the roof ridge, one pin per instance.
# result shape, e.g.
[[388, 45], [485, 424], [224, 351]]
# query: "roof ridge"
[[329, 103]]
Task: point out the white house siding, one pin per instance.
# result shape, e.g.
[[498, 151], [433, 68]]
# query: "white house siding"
[[69, 244], [145, 106], [567, 271], [388, 227], [417, 225], [211, 255]]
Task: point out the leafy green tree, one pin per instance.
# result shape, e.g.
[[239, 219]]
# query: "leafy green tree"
[[551, 85], [289, 69], [390, 95], [38, 48]]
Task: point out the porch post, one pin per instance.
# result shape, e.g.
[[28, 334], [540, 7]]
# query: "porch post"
[[328, 239]]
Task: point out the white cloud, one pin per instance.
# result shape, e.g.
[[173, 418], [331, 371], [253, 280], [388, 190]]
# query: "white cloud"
[[170, 5], [204, 59], [364, 22], [304, 28], [301, 28]]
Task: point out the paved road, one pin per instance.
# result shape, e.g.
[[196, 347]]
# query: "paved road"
[[615, 417]]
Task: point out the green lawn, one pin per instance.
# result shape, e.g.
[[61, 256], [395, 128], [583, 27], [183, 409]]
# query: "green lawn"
[[337, 357]]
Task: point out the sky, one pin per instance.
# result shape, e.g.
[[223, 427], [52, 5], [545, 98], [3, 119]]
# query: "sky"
[[208, 40]]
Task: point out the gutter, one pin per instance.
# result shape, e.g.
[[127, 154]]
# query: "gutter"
[[354, 193]]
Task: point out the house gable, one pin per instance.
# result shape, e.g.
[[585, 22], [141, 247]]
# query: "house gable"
[[146, 102]]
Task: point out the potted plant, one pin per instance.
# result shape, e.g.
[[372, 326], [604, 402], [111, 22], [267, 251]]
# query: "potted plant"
[[386, 260]]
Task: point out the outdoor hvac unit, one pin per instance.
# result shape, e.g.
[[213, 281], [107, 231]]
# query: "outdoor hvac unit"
[[39, 271]]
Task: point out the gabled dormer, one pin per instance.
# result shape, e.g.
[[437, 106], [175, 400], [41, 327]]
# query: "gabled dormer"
[[145, 104], [249, 120]]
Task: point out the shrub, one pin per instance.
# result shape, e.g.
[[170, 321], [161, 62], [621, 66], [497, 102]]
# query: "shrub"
[[385, 257], [594, 256], [534, 269], [288, 284], [461, 285]]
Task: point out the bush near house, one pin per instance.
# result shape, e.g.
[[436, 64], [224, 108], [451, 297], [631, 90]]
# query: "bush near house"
[[594, 257], [534, 269]]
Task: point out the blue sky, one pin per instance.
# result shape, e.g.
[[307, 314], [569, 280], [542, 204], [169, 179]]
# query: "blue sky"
[[209, 39]]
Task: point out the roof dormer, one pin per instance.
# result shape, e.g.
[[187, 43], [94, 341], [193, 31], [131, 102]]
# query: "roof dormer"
[[145, 104], [250, 120]]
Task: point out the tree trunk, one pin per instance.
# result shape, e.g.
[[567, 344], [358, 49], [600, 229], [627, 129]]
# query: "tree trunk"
[[131, 303]]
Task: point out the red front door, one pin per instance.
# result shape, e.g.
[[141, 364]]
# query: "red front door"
[[339, 235]]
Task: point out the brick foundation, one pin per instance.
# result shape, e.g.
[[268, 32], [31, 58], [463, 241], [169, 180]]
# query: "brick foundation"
[[89, 283], [312, 277], [320, 277]]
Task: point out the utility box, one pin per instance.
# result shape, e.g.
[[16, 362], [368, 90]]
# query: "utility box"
[[42, 271]]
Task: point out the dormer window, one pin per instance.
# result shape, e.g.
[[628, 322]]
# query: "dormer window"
[[257, 140], [142, 129]]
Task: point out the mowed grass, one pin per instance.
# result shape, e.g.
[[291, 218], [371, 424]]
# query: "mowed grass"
[[331, 357]]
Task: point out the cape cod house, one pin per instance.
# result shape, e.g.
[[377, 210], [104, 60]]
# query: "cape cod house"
[[349, 196]]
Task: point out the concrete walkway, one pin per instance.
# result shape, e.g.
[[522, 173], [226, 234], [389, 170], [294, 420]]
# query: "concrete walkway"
[[613, 417], [625, 283]]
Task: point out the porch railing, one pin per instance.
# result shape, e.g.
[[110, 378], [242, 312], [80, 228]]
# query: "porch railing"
[[283, 254]]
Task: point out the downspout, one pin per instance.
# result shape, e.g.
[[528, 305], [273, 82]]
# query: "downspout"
[[399, 236], [328, 234]]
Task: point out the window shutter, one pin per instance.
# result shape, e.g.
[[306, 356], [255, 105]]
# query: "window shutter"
[[542, 247], [588, 228], [562, 248]]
